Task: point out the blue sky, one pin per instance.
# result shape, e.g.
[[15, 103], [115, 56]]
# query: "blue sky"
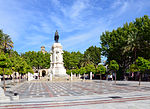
[[32, 23]]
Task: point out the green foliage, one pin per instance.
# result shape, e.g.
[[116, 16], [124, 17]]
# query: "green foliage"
[[1, 35], [68, 72], [127, 43], [90, 68], [29, 69], [133, 68], [5, 63], [82, 70], [10, 60], [8, 71], [1, 71], [92, 55], [142, 64], [72, 60], [113, 65], [101, 69], [75, 60], [73, 71], [37, 60], [6, 43]]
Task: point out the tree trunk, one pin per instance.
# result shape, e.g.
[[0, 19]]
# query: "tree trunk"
[[100, 76], [4, 80], [14, 77], [19, 78], [135, 54], [27, 76], [84, 76], [112, 76], [139, 79], [115, 77]]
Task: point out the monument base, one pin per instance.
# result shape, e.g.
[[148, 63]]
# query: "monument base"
[[57, 66]]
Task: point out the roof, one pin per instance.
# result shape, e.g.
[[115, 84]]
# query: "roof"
[[42, 46]]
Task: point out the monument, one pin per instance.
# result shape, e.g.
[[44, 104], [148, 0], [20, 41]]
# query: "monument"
[[56, 65]]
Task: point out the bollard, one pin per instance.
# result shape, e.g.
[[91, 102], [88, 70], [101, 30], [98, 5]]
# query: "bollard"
[[71, 76], [90, 75], [51, 77]]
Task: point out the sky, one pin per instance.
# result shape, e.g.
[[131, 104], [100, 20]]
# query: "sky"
[[32, 23]]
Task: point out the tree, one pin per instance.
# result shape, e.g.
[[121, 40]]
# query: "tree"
[[142, 65], [133, 68], [1, 35], [29, 69], [113, 66], [5, 64], [72, 60], [13, 57], [37, 60], [132, 43], [73, 71], [68, 72], [127, 43], [82, 71], [101, 70], [20, 67], [7, 43], [67, 58], [90, 68], [85, 61], [92, 55]]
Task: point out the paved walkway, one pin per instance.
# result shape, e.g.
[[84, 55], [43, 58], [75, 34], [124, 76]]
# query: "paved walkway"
[[82, 95]]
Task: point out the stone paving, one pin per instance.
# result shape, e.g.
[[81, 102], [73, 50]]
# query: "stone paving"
[[81, 95], [56, 89]]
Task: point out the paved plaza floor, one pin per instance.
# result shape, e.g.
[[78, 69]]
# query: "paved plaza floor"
[[81, 95]]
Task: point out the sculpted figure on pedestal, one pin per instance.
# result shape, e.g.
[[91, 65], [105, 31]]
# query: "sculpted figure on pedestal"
[[56, 37], [57, 66]]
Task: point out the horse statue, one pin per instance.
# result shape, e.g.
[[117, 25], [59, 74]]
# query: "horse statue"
[[56, 37]]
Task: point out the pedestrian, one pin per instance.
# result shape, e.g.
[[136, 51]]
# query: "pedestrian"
[[111, 77]]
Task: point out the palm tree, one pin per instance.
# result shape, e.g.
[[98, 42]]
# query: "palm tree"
[[86, 61], [132, 43], [7, 43], [1, 35]]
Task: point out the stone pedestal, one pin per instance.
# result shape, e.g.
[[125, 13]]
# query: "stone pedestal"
[[57, 65]]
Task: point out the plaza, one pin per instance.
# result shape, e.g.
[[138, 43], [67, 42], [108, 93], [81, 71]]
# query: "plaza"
[[75, 54], [80, 95]]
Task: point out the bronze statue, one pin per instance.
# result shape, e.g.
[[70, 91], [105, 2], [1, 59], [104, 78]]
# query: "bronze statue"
[[56, 37]]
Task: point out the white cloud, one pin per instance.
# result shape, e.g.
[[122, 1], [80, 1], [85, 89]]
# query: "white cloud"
[[89, 37], [77, 8], [80, 21], [116, 3]]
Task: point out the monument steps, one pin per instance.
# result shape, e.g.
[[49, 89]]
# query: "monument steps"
[[61, 79]]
